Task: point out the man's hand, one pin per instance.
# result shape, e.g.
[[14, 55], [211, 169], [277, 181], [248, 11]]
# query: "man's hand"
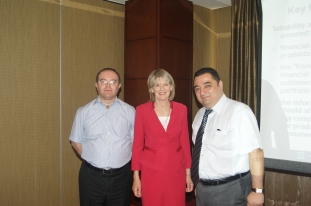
[[77, 147], [256, 163], [255, 199]]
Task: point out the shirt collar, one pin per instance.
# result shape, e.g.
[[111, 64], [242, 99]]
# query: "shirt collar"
[[220, 104], [115, 101]]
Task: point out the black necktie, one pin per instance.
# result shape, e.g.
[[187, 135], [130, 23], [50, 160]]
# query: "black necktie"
[[197, 149]]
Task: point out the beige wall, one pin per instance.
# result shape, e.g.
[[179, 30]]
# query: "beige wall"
[[50, 54], [211, 44]]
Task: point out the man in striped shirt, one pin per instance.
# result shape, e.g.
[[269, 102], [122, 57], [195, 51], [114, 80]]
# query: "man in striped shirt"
[[102, 135]]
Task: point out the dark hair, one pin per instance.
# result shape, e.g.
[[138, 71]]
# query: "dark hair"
[[208, 70], [109, 69]]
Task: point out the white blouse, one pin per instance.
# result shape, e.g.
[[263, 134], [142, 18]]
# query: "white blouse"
[[164, 121]]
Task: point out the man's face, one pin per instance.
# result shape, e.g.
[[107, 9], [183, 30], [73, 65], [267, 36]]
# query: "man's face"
[[207, 91], [107, 85]]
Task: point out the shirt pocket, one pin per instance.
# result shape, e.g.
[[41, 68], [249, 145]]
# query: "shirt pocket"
[[223, 140], [123, 128]]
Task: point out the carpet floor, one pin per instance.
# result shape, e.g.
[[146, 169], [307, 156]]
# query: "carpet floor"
[[190, 200]]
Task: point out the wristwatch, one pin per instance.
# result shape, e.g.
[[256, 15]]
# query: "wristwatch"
[[257, 190]]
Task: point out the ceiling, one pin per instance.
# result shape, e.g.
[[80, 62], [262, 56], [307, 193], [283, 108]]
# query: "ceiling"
[[211, 4]]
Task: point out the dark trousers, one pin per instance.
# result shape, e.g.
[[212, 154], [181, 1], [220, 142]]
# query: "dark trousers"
[[98, 189], [232, 193]]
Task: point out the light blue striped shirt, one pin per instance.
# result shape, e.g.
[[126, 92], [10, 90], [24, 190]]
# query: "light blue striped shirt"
[[106, 134]]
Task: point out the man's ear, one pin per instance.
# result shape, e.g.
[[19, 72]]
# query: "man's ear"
[[220, 84]]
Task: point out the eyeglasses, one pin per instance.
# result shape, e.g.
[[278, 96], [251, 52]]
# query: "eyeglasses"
[[105, 82]]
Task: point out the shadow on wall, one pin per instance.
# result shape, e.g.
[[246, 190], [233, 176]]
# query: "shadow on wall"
[[273, 124]]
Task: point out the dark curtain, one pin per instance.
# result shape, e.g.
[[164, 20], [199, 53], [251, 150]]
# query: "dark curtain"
[[244, 52]]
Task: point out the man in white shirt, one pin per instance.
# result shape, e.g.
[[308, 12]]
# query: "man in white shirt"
[[230, 161]]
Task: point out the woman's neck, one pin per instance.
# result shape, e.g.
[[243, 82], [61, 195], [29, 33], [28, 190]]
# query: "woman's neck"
[[162, 108]]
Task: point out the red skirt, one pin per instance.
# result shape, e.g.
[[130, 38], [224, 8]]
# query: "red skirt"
[[163, 188]]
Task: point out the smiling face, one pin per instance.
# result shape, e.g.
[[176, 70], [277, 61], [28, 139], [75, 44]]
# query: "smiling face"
[[107, 86], [207, 90], [161, 89]]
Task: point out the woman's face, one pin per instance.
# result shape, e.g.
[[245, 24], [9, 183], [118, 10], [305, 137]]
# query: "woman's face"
[[161, 90]]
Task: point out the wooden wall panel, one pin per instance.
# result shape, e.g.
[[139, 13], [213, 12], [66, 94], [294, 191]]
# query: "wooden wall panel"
[[136, 91], [141, 56], [173, 40], [183, 93], [176, 57], [287, 188], [176, 18], [140, 19]]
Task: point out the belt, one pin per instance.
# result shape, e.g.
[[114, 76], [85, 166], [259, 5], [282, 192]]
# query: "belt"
[[222, 181], [104, 171]]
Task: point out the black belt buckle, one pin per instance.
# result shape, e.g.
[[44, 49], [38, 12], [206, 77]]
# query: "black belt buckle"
[[223, 181], [110, 171], [106, 171], [212, 182]]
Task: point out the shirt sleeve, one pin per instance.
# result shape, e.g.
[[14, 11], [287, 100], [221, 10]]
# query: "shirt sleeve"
[[132, 120], [77, 128], [248, 132]]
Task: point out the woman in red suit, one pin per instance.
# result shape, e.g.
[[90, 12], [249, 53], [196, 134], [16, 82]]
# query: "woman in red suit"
[[161, 158]]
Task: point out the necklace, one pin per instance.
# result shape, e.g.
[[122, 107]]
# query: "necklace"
[[162, 110]]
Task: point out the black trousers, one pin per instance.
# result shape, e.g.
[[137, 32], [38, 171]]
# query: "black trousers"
[[98, 189]]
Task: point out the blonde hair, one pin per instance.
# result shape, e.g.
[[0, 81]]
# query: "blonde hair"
[[152, 81]]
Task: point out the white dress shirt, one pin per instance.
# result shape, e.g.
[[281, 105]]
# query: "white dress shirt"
[[230, 134]]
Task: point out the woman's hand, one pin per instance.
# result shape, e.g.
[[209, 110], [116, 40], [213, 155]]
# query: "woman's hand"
[[189, 183], [136, 184]]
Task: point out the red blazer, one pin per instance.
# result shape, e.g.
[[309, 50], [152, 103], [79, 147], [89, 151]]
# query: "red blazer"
[[156, 148]]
